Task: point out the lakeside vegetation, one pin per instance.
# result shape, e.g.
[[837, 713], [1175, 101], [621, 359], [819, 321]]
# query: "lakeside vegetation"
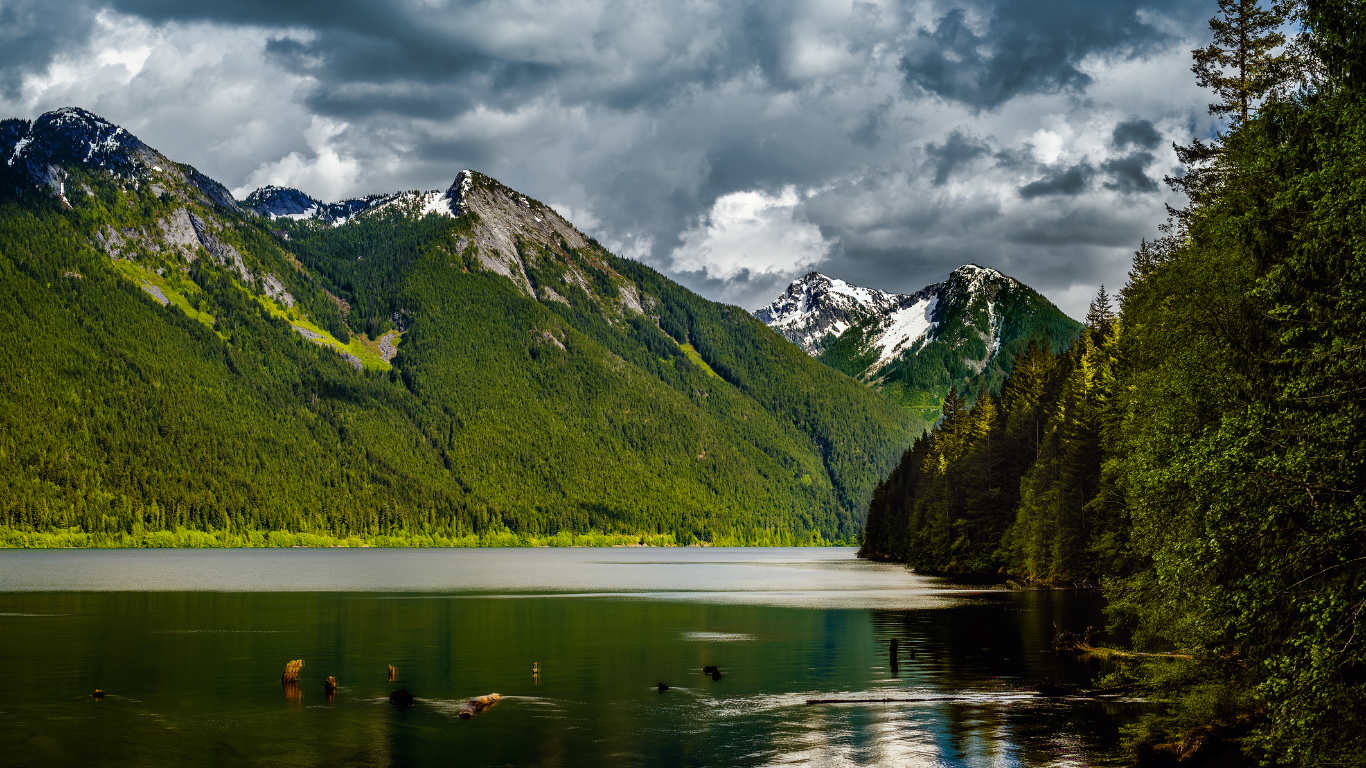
[[189, 538], [1201, 452]]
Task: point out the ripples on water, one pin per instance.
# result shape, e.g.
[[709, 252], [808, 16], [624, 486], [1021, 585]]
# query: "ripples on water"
[[189, 646]]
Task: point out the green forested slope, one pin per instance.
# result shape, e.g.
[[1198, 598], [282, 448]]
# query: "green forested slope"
[[1204, 453], [502, 417]]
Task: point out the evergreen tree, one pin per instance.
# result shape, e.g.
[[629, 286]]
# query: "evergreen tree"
[[1241, 64]]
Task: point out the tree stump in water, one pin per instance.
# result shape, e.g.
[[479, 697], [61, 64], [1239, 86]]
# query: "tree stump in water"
[[401, 698], [392, 672], [330, 685], [292, 671]]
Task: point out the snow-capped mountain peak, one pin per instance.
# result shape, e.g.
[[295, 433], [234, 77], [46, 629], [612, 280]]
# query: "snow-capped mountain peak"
[[287, 202], [276, 202], [818, 307], [970, 326], [38, 150]]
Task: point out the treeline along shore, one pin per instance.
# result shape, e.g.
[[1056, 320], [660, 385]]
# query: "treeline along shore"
[[1199, 450]]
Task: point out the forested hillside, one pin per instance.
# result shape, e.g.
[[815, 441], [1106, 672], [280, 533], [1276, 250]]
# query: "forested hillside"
[[1202, 452], [454, 368]]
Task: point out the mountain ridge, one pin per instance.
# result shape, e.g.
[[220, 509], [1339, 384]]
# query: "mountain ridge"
[[963, 332], [510, 376]]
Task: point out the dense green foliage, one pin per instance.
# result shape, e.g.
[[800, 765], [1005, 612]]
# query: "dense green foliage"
[[1013, 481], [1205, 455], [210, 421]]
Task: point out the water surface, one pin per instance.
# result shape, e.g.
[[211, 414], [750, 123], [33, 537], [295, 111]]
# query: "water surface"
[[189, 646]]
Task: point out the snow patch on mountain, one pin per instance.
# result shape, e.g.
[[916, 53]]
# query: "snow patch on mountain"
[[905, 329]]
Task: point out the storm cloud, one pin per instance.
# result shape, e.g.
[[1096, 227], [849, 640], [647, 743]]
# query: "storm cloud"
[[733, 145]]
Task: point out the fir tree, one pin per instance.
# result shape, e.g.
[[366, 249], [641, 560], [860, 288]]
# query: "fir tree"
[[1241, 64]]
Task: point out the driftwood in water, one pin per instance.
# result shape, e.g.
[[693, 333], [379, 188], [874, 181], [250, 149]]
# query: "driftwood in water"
[[97, 695], [478, 704], [714, 671], [292, 671], [330, 685], [392, 672], [401, 698]]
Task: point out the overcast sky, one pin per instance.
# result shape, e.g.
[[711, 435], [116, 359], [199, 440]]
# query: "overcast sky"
[[732, 145]]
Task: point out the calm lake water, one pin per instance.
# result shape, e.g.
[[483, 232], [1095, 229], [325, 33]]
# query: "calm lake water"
[[189, 647]]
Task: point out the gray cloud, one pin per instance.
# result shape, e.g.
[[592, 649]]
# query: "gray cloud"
[[1136, 133], [902, 138], [1063, 181], [957, 150], [1128, 173], [29, 34], [1027, 47]]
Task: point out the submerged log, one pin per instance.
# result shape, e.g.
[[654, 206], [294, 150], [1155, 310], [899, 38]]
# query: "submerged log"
[[401, 698], [714, 671], [479, 704], [663, 687], [292, 671]]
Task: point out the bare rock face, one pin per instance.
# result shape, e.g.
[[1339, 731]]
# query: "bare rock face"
[[275, 289], [224, 253], [178, 234], [503, 218]]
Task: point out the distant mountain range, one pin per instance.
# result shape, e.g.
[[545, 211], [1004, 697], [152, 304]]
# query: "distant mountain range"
[[457, 365], [963, 332]]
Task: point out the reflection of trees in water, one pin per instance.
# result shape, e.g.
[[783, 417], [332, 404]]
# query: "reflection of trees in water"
[[998, 643]]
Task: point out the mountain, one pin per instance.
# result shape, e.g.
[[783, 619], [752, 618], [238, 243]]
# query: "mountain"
[[460, 365], [816, 309], [284, 202], [964, 332]]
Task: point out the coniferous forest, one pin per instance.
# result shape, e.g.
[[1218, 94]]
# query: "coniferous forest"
[[1198, 451]]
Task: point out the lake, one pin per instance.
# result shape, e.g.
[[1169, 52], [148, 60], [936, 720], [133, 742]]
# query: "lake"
[[189, 646]]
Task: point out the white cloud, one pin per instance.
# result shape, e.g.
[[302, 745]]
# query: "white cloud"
[[327, 175], [752, 231]]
